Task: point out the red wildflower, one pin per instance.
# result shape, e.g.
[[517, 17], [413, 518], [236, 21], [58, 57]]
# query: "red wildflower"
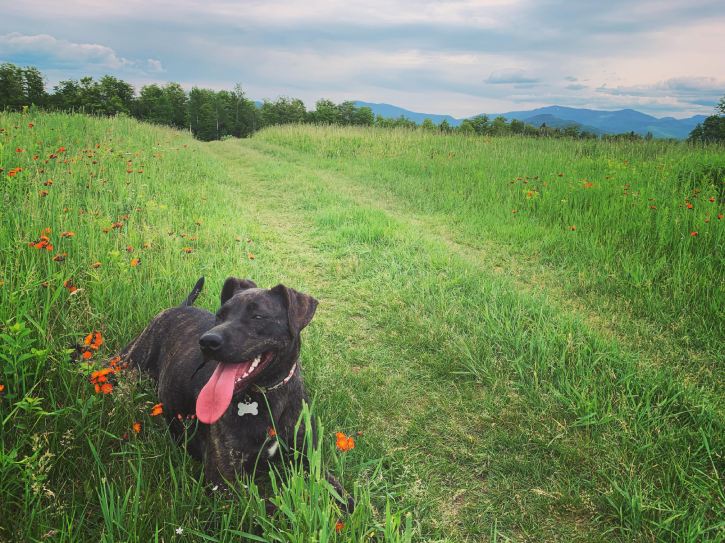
[[30, 125], [271, 432], [94, 340], [339, 525], [711, 199], [344, 443], [689, 205], [68, 284], [19, 150], [693, 234]]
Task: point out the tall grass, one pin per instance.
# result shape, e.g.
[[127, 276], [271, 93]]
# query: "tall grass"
[[482, 410], [642, 222], [72, 466]]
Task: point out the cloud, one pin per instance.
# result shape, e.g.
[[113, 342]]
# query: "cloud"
[[695, 91], [507, 77], [458, 56], [44, 49]]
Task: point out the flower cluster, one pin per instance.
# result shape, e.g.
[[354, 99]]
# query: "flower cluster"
[[344, 443], [91, 343]]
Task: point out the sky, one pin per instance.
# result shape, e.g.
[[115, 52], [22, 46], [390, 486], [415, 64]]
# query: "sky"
[[662, 57]]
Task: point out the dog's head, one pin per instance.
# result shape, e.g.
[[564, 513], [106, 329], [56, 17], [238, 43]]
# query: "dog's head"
[[255, 341]]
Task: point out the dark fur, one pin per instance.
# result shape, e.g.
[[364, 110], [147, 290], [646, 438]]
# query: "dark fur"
[[250, 320]]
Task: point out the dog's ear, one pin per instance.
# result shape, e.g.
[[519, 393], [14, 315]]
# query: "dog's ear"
[[300, 307], [233, 285]]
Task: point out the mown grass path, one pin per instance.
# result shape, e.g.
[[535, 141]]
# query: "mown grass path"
[[477, 393]]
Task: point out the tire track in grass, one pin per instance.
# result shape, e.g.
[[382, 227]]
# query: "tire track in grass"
[[436, 431], [654, 346]]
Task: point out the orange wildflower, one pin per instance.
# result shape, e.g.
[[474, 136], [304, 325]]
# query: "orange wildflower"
[[588, 185], [137, 427], [2, 387], [94, 340], [67, 234], [157, 409], [129, 248], [117, 225], [60, 257], [87, 355], [250, 256], [712, 199], [689, 205], [42, 193], [135, 262], [68, 284], [271, 432], [344, 443], [106, 388], [339, 525], [187, 250], [96, 265], [693, 234], [48, 183], [572, 227]]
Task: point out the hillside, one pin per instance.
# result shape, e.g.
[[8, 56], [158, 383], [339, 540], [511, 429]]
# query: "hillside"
[[523, 335]]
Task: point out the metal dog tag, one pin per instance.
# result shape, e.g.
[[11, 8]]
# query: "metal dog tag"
[[247, 408]]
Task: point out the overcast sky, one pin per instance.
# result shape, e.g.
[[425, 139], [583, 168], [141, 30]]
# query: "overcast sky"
[[661, 57]]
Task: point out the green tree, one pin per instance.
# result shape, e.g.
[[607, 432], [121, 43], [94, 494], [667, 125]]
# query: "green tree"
[[12, 86], [712, 129], [428, 125], [34, 87]]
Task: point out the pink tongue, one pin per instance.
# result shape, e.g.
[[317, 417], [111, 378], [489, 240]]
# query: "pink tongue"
[[217, 393]]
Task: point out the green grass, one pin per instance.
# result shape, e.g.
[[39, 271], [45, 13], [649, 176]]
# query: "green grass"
[[512, 379]]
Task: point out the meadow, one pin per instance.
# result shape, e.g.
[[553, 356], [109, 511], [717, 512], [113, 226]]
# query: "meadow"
[[524, 336]]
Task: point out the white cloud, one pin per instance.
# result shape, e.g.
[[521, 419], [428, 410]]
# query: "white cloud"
[[92, 56]]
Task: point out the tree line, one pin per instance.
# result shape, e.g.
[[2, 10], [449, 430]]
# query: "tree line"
[[212, 115]]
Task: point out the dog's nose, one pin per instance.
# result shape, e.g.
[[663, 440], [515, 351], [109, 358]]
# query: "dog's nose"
[[211, 341]]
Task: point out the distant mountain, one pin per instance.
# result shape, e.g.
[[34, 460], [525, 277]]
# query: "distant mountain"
[[616, 122], [555, 122], [393, 112], [592, 120]]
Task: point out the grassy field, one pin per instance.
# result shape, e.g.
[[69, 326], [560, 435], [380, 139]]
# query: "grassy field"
[[524, 336]]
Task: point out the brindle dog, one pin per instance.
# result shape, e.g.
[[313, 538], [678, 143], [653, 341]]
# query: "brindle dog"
[[238, 371]]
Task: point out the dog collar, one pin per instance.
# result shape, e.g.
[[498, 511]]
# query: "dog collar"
[[282, 383]]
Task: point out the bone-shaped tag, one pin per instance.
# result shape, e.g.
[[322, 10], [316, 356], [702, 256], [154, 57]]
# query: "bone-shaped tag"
[[247, 408]]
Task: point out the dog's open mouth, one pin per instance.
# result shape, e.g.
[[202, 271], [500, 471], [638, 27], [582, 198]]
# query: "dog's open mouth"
[[224, 383], [248, 369]]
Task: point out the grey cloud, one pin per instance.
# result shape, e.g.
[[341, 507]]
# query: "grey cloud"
[[505, 77]]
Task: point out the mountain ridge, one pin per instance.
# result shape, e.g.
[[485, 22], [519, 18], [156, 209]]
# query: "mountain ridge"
[[593, 120]]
